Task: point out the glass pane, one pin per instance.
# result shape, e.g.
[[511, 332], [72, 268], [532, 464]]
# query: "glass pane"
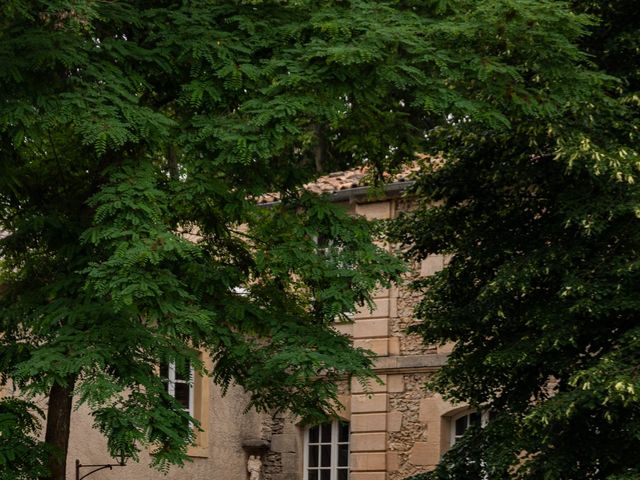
[[343, 455], [343, 432], [164, 370], [184, 375], [182, 394], [325, 474], [313, 455], [474, 419], [343, 474], [314, 434], [325, 458], [313, 475], [461, 425], [326, 432]]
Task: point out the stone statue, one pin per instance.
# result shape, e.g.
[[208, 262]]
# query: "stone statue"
[[254, 465]]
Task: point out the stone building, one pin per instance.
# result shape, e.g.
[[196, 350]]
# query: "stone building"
[[397, 428], [393, 430]]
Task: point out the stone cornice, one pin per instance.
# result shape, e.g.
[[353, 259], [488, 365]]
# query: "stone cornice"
[[409, 363]]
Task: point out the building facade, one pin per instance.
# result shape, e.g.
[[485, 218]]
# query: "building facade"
[[386, 431], [396, 428]]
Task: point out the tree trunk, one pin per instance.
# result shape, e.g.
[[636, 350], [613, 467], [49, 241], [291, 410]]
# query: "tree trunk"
[[58, 424], [320, 148], [172, 162]]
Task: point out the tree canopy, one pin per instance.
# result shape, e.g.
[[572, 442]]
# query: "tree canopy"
[[541, 295], [129, 129]]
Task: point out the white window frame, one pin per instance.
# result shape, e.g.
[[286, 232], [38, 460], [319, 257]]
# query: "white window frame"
[[335, 430], [484, 420], [171, 385]]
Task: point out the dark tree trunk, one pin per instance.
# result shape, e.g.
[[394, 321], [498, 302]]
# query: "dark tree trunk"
[[58, 425], [172, 163], [320, 149]]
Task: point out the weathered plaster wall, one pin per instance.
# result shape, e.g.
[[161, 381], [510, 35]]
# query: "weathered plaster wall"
[[225, 458]]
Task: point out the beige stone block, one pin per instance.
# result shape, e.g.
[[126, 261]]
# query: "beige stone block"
[[380, 309], [379, 346], [368, 476], [378, 327], [344, 406], [376, 210], [427, 411], [368, 461], [446, 349], [363, 403], [425, 453], [395, 383], [344, 328], [433, 408], [367, 442], [285, 476], [380, 292], [369, 422], [284, 442], [371, 387], [431, 265], [394, 346], [393, 461], [290, 462], [394, 421], [393, 307], [393, 302]]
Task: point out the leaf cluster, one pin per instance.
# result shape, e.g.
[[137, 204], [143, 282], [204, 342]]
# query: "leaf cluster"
[[540, 222]]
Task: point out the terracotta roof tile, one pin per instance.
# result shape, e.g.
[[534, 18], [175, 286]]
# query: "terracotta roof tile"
[[347, 180]]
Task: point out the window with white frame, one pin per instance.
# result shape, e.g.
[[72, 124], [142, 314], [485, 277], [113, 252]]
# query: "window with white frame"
[[179, 385], [326, 452], [462, 422]]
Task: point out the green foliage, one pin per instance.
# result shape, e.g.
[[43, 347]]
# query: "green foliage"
[[22, 456], [541, 292], [134, 139], [135, 136]]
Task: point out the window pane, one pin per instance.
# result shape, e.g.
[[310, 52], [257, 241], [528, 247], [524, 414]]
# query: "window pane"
[[474, 419], [182, 394], [313, 475], [461, 425], [343, 474], [343, 432], [343, 455], [325, 474], [325, 458], [164, 370], [185, 375], [313, 455], [326, 432], [314, 434]]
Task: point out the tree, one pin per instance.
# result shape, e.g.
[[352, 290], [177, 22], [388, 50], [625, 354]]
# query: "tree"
[[541, 293], [126, 125]]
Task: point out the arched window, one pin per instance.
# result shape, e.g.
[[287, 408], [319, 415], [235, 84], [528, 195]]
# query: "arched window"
[[462, 422], [326, 452]]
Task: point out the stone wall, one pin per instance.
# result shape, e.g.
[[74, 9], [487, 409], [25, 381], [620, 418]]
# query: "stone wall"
[[406, 404]]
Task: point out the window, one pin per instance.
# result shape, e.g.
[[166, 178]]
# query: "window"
[[461, 423], [179, 385], [326, 453], [192, 391]]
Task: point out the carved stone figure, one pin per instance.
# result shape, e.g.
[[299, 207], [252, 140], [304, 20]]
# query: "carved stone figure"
[[254, 465]]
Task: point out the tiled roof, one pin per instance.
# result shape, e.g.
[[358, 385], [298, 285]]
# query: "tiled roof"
[[347, 180]]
